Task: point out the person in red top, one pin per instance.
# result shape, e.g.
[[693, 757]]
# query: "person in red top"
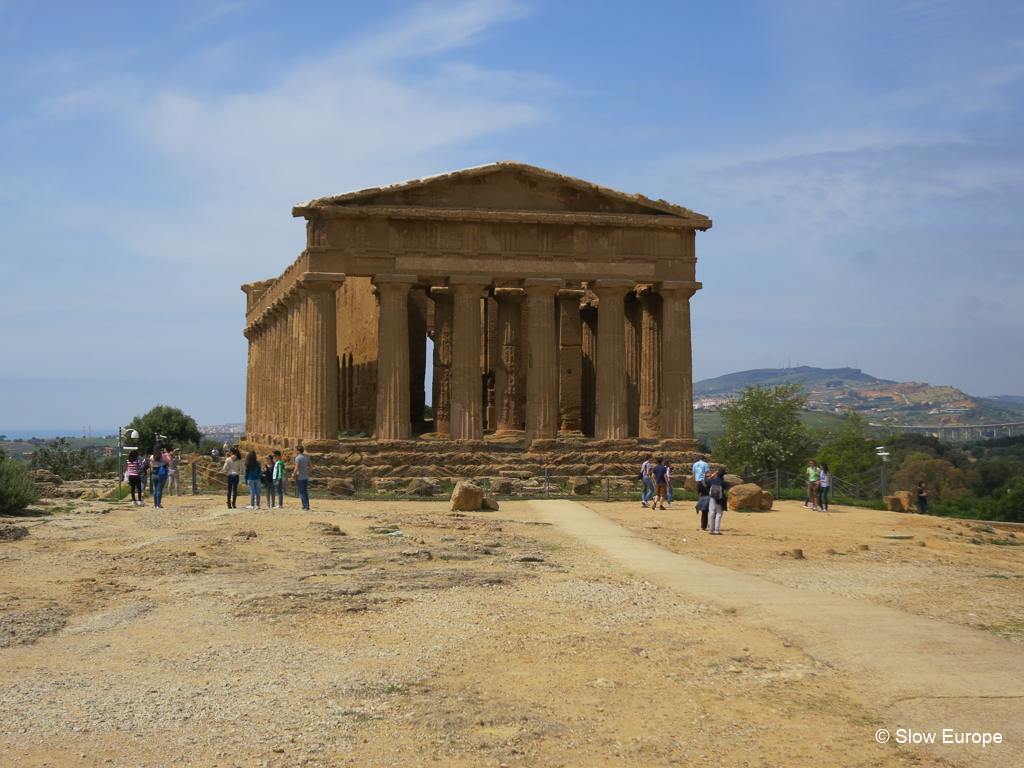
[[134, 471]]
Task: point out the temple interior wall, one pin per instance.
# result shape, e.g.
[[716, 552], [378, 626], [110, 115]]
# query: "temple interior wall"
[[357, 355]]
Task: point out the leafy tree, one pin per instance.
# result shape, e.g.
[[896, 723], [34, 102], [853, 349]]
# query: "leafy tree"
[[903, 445], [63, 460], [945, 481], [850, 450], [177, 427], [1006, 504], [763, 430], [17, 490]]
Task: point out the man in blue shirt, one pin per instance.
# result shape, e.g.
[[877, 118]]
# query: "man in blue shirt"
[[700, 469]]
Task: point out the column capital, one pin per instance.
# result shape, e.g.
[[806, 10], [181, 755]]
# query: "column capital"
[[612, 288], [322, 281], [441, 294], [542, 286], [678, 288], [509, 295], [394, 282], [463, 284], [571, 293]]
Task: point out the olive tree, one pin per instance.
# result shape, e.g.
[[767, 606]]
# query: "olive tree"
[[763, 430], [177, 427]]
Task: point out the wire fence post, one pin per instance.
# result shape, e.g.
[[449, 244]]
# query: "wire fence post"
[[607, 489], [547, 492], [195, 481], [778, 484]]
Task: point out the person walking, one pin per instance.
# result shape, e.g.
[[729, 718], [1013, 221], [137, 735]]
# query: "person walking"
[[301, 475], [717, 499], [922, 498], [233, 466], [172, 472], [668, 479], [279, 479], [824, 484], [133, 472], [158, 465], [660, 475], [813, 476], [253, 471], [646, 480]]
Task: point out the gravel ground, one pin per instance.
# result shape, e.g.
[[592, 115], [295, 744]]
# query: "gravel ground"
[[196, 635]]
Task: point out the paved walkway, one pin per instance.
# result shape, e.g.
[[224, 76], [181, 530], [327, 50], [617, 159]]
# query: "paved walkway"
[[918, 673]]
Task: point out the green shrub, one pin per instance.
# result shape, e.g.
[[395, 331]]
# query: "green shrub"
[[17, 490]]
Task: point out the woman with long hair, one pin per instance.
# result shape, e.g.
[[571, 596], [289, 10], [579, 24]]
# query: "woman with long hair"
[[159, 469], [253, 475], [824, 485], [233, 466], [134, 472]]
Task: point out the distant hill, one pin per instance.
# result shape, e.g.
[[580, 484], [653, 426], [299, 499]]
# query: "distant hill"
[[813, 378], [1008, 401]]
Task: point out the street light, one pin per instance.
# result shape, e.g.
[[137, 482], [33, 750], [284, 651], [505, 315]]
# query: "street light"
[[884, 456]]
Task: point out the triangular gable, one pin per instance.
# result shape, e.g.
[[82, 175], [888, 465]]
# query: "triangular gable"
[[506, 186]]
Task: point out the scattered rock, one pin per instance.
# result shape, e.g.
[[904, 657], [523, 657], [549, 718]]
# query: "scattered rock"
[[766, 501], [906, 500], [467, 495], [383, 484], [246, 534], [501, 486], [326, 529], [602, 682], [341, 487], [893, 503], [45, 476], [12, 532], [526, 559], [489, 504], [798, 554], [732, 480], [830, 551], [864, 547], [421, 487]]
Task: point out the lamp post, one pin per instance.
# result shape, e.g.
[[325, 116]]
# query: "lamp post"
[[122, 433], [884, 456]]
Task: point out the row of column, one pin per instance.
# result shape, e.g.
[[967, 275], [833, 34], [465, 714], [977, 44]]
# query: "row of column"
[[555, 350], [292, 376]]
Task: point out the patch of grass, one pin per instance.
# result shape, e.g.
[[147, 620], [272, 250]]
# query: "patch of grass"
[[999, 543]]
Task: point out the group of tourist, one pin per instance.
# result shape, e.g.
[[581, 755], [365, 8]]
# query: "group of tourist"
[[265, 480], [656, 479], [819, 483], [160, 469]]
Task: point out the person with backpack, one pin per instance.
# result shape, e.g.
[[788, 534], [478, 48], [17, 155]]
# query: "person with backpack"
[[717, 492], [158, 464], [278, 479], [646, 480]]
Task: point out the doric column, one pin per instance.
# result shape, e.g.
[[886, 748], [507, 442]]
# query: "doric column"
[[542, 366], [250, 382], [677, 367], [441, 398], [393, 356], [417, 304], [633, 314], [319, 355], [611, 423], [467, 417], [570, 362], [291, 366], [650, 363], [508, 371], [588, 405]]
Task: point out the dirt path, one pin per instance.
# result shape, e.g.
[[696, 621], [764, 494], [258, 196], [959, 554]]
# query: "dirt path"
[[384, 633], [923, 674]]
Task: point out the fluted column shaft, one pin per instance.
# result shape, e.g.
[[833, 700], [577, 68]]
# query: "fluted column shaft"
[[677, 367], [393, 399], [319, 357], [611, 420], [570, 361], [250, 425], [508, 373], [467, 416], [650, 364], [542, 366], [441, 400]]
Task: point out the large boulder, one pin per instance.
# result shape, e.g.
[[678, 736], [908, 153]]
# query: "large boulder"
[[906, 500], [766, 501], [580, 486], [733, 480], [467, 496], [747, 496], [893, 503]]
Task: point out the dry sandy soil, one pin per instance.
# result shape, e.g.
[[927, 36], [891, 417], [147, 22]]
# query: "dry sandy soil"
[[198, 635]]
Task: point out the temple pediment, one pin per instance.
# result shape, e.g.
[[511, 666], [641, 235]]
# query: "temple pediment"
[[501, 187]]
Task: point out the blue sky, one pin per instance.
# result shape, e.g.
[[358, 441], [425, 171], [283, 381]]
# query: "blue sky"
[[863, 163]]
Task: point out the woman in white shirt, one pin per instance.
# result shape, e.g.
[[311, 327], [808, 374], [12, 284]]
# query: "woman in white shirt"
[[824, 484], [233, 465]]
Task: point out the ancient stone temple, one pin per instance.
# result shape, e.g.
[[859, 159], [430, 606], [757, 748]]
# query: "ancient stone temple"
[[558, 310]]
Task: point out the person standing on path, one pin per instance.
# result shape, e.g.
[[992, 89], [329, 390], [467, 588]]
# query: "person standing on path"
[[717, 493], [158, 463], [233, 466], [824, 484], [172, 472], [268, 480], [813, 476], [134, 471], [301, 475], [253, 473], [278, 479], [646, 480], [922, 498], [660, 474], [700, 471], [668, 479]]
